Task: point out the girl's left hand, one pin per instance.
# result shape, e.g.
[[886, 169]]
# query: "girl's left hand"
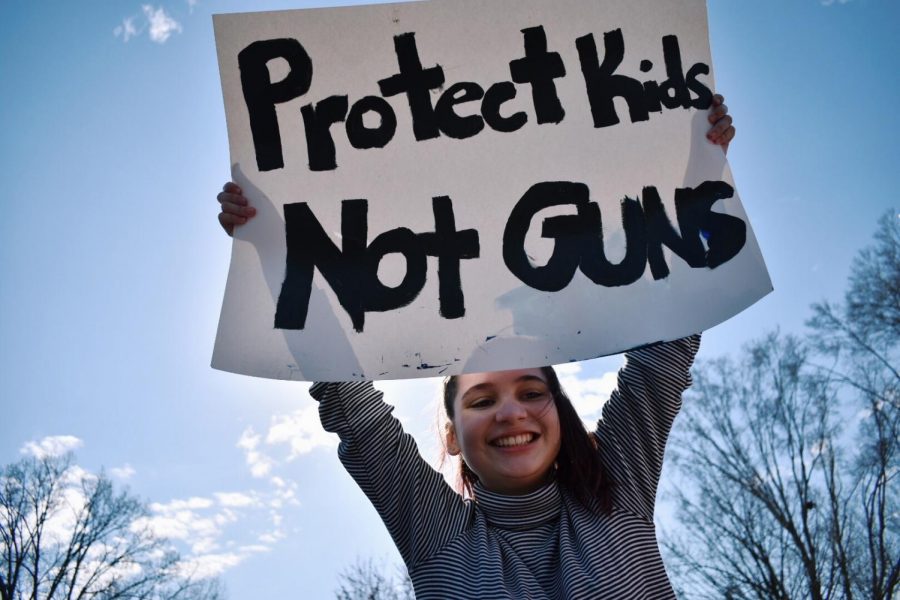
[[236, 210], [722, 130]]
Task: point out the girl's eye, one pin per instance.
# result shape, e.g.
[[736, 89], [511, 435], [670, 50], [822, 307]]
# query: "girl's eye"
[[534, 395], [481, 403]]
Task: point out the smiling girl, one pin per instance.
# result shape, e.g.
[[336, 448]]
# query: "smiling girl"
[[546, 509]]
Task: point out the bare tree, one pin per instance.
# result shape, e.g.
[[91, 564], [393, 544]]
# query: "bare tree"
[[67, 534], [364, 580], [861, 338], [790, 457]]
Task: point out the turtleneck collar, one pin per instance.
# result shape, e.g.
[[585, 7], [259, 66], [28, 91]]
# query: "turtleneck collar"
[[520, 512]]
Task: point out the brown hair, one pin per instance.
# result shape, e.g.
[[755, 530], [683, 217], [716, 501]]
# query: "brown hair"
[[579, 469]]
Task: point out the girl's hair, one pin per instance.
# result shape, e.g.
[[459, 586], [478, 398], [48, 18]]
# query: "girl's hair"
[[579, 469]]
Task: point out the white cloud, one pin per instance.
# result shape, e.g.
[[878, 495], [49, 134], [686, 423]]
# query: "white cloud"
[[180, 525], [61, 523], [568, 369], [213, 533], [236, 499], [588, 395], [271, 537], [211, 565], [158, 24], [54, 445], [75, 476], [300, 431], [191, 4], [286, 494], [226, 520], [204, 546], [249, 439], [830, 2], [162, 26], [260, 464], [124, 472], [297, 433], [163, 526], [193, 503], [99, 572], [187, 520], [126, 30], [226, 516]]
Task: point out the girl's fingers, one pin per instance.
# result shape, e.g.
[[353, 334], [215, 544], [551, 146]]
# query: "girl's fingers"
[[232, 188], [724, 139], [228, 222], [721, 126], [237, 209], [717, 113], [722, 130], [231, 198], [234, 203], [231, 219], [727, 136]]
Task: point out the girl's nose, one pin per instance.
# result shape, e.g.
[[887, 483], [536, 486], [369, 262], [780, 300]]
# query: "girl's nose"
[[511, 409]]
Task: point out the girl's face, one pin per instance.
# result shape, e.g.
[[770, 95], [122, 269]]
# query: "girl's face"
[[506, 427]]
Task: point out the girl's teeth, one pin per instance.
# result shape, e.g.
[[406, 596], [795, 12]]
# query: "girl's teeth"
[[515, 440]]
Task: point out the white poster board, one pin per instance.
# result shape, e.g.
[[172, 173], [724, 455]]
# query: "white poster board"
[[471, 185]]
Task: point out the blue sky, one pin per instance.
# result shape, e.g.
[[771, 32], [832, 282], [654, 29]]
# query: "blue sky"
[[112, 265]]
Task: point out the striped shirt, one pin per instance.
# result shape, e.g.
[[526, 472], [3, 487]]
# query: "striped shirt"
[[541, 545]]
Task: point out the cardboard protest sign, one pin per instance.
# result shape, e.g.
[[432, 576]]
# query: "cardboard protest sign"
[[473, 185]]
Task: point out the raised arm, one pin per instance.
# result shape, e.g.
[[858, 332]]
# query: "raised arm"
[[421, 512], [419, 509], [638, 416]]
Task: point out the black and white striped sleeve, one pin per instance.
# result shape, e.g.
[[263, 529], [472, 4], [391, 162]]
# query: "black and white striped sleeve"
[[421, 512], [638, 417]]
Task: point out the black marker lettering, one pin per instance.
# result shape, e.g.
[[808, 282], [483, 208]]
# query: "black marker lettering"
[[416, 83], [261, 94], [660, 232], [725, 235], [567, 230], [578, 238], [362, 137], [449, 246], [379, 297], [450, 123], [603, 84], [704, 94], [318, 120], [540, 68], [594, 263], [494, 98], [352, 270], [309, 247], [673, 92]]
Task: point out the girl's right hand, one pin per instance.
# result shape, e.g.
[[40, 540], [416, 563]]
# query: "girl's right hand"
[[236, 210]]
